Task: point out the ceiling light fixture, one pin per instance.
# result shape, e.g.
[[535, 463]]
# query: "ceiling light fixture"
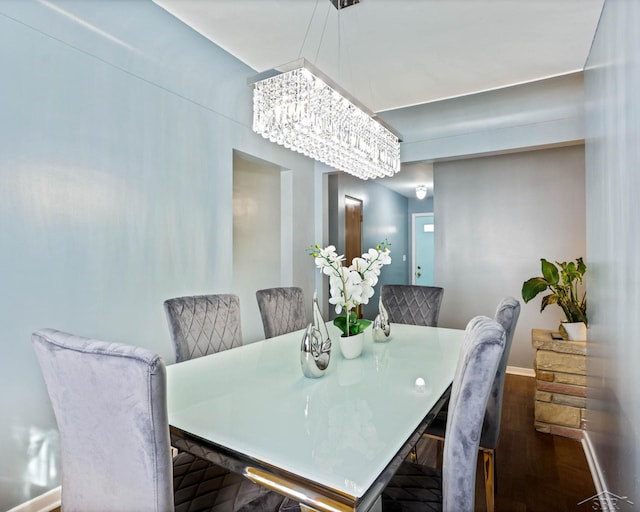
[[421, 191], [300, 108]]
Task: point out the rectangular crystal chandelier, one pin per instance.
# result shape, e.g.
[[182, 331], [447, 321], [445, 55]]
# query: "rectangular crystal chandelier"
[[300, 108]]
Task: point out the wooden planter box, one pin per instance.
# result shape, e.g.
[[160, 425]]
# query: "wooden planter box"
[[561, 375]]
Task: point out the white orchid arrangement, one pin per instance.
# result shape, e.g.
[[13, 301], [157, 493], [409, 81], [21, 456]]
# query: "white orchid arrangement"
[[353, 285]]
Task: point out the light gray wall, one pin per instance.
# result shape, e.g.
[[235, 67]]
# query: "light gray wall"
[[496, 217], [116, 148], [536, 114], [384, 215], [612, 85]]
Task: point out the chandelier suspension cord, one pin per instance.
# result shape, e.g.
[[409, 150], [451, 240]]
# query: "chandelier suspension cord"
[[339, 49], [322, 35], [306, 34], [368, 73]]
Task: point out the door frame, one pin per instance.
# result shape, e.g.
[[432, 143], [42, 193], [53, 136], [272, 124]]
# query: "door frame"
[[414, 217]]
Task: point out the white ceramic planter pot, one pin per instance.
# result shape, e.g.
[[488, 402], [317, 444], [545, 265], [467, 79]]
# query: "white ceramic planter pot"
[[576, 331], [351, 346]]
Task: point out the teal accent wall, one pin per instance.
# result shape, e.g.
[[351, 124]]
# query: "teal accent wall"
[[117, 130]]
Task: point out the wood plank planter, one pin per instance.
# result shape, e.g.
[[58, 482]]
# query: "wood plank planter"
[[561, 392]]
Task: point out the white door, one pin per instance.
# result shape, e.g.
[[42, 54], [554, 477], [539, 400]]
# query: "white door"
[[423, 249]]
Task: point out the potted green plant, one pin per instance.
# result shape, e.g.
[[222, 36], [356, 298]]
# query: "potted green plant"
[[562, 280]]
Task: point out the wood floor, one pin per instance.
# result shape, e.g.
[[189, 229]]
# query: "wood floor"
[[535, 472]]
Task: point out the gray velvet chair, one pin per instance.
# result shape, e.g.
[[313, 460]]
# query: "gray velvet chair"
[[420, 488], [109, 401], [411, 304], [203, 324], [507, 314], [282, 310]]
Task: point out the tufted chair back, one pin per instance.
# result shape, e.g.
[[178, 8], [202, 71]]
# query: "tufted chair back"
[[110, 405], [203, 324], [507, 315], [479, 359], [282, 310], [410, 304]]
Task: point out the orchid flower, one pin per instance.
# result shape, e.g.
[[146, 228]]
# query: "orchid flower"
[[353, 285]]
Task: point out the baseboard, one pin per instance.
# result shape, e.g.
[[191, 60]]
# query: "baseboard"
[[524, 372], [43, 503], [596, 471]]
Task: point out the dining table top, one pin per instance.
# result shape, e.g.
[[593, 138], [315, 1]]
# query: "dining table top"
[[324, 441]]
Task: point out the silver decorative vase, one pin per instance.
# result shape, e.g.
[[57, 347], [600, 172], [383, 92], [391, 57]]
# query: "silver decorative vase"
[[381, 328], [315, 349]]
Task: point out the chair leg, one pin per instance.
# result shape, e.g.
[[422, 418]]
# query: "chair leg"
[[440, 453], [489, 477]]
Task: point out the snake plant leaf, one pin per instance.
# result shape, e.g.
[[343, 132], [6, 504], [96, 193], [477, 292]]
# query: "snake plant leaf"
[[533, 287], [549, 271]]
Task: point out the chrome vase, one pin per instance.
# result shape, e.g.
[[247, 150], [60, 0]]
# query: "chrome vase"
[[381, 328], [315, 349]]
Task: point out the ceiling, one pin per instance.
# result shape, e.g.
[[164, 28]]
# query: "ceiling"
[[396, 53]]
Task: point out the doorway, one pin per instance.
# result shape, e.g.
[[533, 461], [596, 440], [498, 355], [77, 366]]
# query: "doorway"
[[261, 219], [423, 243], [352, 228], [353, 233]]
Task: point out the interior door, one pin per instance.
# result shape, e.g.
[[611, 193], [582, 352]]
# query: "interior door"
[[423, 249], [353, 233], [352, 228]]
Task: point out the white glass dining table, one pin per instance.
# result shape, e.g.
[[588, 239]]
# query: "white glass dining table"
[[330, 443]]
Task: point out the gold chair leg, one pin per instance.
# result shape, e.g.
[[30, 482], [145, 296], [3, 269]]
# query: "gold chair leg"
[[489, 477]]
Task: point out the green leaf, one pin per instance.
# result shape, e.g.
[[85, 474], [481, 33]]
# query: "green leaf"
[[548, 299], [533, 287], [363, 323], [341, 323], [549, 271], [356, 326]]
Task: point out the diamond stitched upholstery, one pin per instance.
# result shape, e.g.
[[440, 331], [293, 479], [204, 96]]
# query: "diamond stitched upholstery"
[[410, 304], [203, 325], [203, 487], [282, 310], [480, 355], [414, 488]]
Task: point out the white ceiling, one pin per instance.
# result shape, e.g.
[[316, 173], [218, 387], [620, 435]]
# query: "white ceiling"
[[395, 53]]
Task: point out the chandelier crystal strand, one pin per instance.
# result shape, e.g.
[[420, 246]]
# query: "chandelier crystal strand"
[[300, 111]]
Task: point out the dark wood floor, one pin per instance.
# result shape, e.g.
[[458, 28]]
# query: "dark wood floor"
[[535, 472]]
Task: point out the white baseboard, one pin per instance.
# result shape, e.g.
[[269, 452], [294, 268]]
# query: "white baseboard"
[[525, 372], [43, 503], [603, 499], [596, 471]]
